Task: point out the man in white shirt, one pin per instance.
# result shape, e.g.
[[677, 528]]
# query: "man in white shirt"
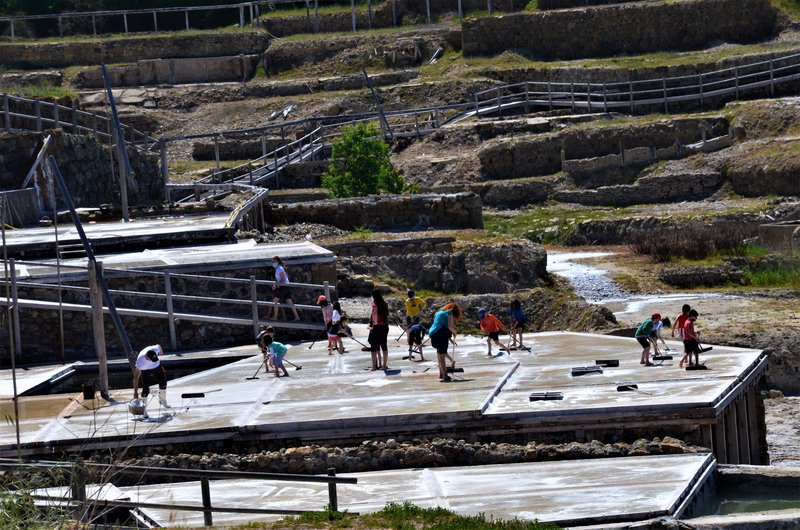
[[148, 369]]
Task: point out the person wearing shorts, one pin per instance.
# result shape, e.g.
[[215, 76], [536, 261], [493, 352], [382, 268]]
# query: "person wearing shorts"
[[442, 333], [281, 290], [379, 332], [690, 343], [275, 354], [517, 316], [643, 334]]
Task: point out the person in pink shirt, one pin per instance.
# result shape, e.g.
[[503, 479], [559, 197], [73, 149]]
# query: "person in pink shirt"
[[379, 331], [690, 342]]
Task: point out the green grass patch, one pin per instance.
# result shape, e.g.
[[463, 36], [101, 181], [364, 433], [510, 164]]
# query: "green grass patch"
[[780, 273], [543, 224], [790, 7], [184, 171], [327, 9], [47, 92], [405, 516]]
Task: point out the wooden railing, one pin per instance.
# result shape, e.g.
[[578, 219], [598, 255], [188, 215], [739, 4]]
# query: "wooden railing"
[[46, 115], [81, 505], [661, 94], [168, 298], [251, 8]]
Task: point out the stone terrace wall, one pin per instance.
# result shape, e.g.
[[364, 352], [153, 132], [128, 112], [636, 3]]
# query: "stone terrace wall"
[[545, 154], [460, 210], [620, 29], [173, 71], [85, 165], [128, 50]]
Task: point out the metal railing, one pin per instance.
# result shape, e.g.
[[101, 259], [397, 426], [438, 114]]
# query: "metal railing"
[[244, 8], [44, 114], [78, 501], [167, 299]]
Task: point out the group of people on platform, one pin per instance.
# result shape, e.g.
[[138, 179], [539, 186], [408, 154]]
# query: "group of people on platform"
[[648, 333], [442, 334]]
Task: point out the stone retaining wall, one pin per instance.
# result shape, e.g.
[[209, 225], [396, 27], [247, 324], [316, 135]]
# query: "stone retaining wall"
[[460, 210], [621, 29], [545, 5], [86, 166], [391, 247], [172, 72], [23, 207], [571, 150], [131, 49]]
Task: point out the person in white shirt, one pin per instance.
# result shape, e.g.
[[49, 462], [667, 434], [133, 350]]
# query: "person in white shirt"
[[148, 370]]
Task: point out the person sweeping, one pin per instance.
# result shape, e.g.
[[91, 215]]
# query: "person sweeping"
[[492, 326], [148, 370], [442, 333], [275, 353]]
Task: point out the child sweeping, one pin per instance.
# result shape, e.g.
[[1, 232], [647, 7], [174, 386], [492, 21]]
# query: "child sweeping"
[[275, 354], [415, 333]]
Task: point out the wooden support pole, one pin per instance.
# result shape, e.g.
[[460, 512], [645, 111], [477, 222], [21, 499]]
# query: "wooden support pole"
[[125, 22], [428, 9], [316, 14], [205, 489], [216, 151], [752, 426], [6, 113], [719, 440], [155, 22], [731, 436], [333, 499], [241, 16], [254, 300], [60, 27], [186, 18], [394, 13], [78, 490], [369, 14], [162, 147], [353, 13], [98, 327], [741, 431], [38, 107], [173, 339], [12, 273]]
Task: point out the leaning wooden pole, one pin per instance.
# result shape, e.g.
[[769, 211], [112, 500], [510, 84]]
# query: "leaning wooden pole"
[[125, 344]]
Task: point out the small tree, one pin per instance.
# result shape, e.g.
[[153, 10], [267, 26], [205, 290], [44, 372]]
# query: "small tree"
[[360, 164]]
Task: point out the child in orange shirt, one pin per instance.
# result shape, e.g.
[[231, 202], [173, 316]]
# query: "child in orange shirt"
[[492, 326]]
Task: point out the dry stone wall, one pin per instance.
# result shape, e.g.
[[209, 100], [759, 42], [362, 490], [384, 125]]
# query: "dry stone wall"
[[85, 165], [459, 210], [172, 72], [621, 29], [131, 49]]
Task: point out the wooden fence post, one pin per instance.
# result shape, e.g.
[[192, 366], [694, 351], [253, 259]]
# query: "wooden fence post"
[[155, 22], [98, 328], [15, 303], [6, 112], [353, 13], [333, 499], [205, 489], [173, 340], [254, 299]]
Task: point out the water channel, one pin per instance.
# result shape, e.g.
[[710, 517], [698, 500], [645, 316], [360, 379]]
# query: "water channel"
[[593, 284]]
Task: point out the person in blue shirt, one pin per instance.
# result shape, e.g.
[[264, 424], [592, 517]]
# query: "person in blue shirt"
[[442, 332], [517, 316], [275, 353]]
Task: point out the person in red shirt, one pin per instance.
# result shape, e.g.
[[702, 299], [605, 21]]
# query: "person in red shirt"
[[690, 343], [492, 327]]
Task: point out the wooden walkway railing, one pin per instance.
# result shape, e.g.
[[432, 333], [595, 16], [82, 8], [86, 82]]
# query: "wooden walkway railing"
[[630, 96], [82, 506], [41, 115], [241, 311]]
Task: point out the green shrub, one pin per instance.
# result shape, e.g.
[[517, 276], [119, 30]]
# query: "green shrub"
[[360, 164]]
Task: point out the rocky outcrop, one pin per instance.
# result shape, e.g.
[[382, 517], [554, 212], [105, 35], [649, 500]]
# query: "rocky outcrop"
[[433, 265], [761, 168], [458, 210], [697, 276], [621, 29]]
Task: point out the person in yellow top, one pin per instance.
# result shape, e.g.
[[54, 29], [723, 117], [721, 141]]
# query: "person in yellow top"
[[414, 305]]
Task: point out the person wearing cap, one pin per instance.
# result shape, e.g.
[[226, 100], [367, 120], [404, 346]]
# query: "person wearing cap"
[[148, 370], [492, 326], [414, 305], [643, 336]]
